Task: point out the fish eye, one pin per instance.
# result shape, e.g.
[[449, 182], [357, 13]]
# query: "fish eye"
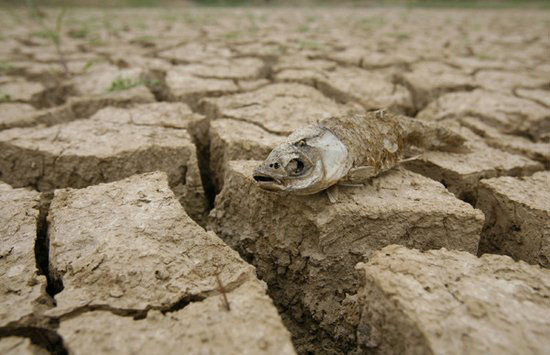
[[295, 167]]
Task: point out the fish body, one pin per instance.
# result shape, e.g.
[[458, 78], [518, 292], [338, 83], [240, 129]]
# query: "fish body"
[[349, 148]]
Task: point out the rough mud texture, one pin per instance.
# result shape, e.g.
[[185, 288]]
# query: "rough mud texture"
[[22, 289], [20, 346], [278, 109], [252, 326], [461, 172], [517, 214], [306, 248], [429, 80], [188, 90], [111, 145], [213, 78], [347, 85], [15, 114], [538, 151], [24, 115], [449, 302], [129, 256], [17, 90], [101, 81], [508, 113]]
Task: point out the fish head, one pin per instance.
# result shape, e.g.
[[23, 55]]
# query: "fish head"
[[304, 163]]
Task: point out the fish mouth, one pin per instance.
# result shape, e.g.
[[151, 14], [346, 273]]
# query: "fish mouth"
[[263, 178], [267, 181]]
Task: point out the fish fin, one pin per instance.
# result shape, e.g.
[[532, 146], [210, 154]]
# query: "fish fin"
[[410, 159], [360, 174], [332, 193]]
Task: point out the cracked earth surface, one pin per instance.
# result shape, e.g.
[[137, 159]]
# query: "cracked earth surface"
[[129, 221]]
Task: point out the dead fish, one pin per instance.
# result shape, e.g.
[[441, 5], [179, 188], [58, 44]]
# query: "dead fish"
[[348, 150]]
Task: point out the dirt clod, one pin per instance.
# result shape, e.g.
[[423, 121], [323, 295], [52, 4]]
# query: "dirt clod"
[[490, 304]]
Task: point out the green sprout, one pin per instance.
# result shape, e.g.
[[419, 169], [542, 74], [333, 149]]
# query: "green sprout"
[[399, 35], [5, 66], [4, 97], [233, 35], [145, 41], [53, 34], [310, 45], [91, 63], [121, 84], [79, 33], [303, 28]]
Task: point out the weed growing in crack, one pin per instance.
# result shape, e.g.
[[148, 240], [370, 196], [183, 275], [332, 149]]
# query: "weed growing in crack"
[[399, 35], [310, 45], [303, 28], [79, 33], [121, 84], [233, 35], [53, 34], [91, 63], [145, 41], [4, 97], [5, 67]]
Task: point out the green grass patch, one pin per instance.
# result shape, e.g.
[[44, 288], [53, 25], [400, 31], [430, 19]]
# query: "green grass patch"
[[222, 2], [311, 45], [233, 35], [89, 64], [5, 66], [122, 84], [78, 33], [146, 41], [399, 35], [303, 28], [142, 3], [486, 57], [4, 97]]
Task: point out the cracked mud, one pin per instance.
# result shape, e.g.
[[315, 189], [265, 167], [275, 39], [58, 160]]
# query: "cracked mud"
[[130, 223]]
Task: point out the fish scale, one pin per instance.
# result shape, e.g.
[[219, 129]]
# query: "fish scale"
[[370, 138]]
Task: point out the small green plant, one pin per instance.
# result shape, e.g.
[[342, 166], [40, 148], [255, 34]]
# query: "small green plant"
[[399, 35], [96, 42], [142, 3], [233, 35], [4, 97], [303, 28], [145, 41], [153, 84], [79, 33], [311, 18], [53, 34], [121, 84], [310, 45], [482, 56], [5, 67], [91, 63]]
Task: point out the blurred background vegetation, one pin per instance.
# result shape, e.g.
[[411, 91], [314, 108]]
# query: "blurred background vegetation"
[[406, 3]]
